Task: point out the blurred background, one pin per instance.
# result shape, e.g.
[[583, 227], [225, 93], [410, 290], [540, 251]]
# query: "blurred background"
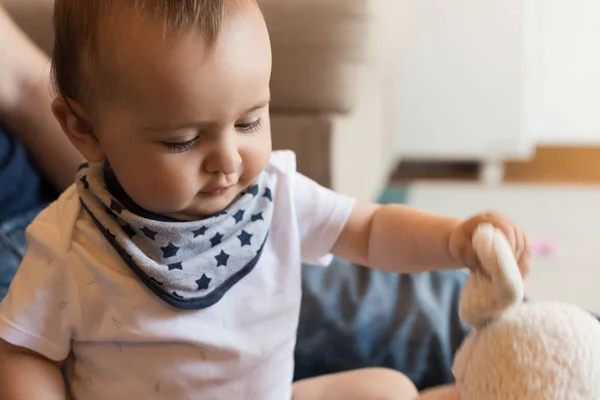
[[497, 107], [462, 106], [452, 106]]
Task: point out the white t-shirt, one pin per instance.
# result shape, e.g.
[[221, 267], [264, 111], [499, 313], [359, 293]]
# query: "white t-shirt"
[[74, 297]]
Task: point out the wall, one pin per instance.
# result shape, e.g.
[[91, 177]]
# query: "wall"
[[563, 71], [490, 80], [460, 82]]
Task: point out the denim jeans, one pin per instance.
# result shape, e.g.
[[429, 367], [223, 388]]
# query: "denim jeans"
[[351, 317], [12, 246]]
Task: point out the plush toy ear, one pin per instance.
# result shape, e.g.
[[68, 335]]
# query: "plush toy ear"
[[484, 298]]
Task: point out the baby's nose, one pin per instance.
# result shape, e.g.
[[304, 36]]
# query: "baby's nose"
[[225, 158]]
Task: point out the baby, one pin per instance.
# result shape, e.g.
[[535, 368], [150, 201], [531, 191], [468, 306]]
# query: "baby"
[[171, 268]]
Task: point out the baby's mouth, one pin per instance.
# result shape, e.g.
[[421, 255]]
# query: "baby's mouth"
[[216, 191]]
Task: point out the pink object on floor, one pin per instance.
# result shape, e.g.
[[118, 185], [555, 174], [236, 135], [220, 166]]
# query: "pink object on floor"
[[543, 247]]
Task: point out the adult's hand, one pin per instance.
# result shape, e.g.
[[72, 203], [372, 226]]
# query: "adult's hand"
[[25, 100]]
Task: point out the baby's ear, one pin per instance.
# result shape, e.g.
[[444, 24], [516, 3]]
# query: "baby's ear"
[[78, 130]]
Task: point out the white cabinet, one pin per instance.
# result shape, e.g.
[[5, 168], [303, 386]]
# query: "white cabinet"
[[490, 80]]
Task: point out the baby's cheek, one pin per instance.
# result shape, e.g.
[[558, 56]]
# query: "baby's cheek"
[[174, 193], [159, 192], [255, 160]]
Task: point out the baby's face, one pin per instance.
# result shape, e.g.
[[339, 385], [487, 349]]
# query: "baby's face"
[[190, 128]]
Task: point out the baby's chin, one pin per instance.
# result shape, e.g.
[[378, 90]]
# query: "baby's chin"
[[204, 207]]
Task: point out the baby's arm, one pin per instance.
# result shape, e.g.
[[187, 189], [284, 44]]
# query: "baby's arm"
[[27, 375], [391, 237], [402, 239], [397, 238]]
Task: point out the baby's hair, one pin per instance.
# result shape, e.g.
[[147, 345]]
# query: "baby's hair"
[[80, 25]]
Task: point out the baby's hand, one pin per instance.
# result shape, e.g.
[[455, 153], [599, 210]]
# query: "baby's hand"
[[461, 241]]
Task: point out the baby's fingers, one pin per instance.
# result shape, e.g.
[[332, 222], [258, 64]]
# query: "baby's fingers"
[[507, 228], [470, 259], [524, 260]]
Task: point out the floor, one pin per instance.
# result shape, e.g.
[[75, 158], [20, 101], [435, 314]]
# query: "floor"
[[556, 199]]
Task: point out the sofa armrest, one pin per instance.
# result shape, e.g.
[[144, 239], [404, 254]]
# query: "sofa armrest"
[[35, 18], [320, 48]]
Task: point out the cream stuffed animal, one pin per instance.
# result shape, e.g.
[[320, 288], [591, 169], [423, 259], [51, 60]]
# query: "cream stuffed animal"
[[522, 351]]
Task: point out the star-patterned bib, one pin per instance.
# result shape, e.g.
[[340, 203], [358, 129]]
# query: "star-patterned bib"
[[189, 265]]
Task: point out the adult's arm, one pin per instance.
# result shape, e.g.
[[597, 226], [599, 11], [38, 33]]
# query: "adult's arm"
[[25, 100]]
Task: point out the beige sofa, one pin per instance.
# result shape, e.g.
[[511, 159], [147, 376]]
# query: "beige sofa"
[[331, 86]]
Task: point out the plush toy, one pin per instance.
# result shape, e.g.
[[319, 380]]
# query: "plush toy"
[[519, 350]]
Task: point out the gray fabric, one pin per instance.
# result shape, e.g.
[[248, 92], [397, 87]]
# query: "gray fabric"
[[188, 264], [354, 317]]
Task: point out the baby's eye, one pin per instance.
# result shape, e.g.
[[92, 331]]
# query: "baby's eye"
[[180, 147], [250, 127]]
